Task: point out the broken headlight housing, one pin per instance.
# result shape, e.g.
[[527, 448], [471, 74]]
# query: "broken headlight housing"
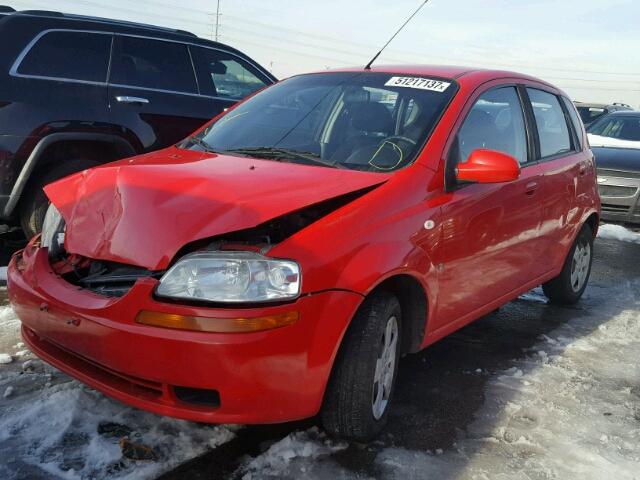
[[53, 231], [231, 277]]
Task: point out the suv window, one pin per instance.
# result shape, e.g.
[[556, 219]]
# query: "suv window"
[[551, 122], [157, 64], [495, 122], [58, 54], [224, 75]]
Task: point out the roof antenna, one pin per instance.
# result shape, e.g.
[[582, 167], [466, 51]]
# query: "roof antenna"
[[368, 67]]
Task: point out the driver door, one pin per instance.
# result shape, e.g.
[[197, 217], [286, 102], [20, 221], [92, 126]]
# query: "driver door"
[[491, 242]]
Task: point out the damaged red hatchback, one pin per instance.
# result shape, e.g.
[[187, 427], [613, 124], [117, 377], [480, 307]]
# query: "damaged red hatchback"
[[278, 263]]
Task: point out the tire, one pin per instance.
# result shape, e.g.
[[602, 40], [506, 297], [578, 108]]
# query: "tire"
[[35, 203], [568, 287], [352, 408]]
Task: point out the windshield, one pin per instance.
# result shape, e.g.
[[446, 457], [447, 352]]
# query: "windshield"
[[362, 121], [621, 127]]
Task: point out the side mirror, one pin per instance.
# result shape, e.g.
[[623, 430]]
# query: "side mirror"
[[488, 166]]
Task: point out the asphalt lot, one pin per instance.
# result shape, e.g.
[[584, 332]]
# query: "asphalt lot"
[[450, 401]]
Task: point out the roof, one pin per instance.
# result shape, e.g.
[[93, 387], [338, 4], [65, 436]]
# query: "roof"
[[624, 113], [68, 16], [465, 74], [602, 105]]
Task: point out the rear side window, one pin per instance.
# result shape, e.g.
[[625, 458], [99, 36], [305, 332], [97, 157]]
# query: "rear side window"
[[552, 125], [495, 122], [577, 123], [157, 64], [224, 75], [69, 55]]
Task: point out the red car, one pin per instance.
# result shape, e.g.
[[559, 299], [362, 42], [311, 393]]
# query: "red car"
[[279, 262]]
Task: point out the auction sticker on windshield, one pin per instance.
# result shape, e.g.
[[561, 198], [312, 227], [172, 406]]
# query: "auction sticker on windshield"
[[417, 82]]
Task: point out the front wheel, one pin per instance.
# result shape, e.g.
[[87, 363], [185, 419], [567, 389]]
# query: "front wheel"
[[356, 403], [568, 287]]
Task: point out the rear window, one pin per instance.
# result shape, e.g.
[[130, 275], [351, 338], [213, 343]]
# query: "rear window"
[[156, 64], [575, 119], [69, 55], [589, 114], [552, 125], [624, 128]]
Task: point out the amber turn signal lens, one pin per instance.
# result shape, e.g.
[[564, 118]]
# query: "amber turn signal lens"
[[219, 325]]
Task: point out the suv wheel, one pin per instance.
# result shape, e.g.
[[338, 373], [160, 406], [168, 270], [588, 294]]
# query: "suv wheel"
[[568, 287], [356, 404], [35, 203]]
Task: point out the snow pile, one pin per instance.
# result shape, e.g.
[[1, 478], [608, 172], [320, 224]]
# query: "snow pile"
[[569, 410], [55, 434], [5, 358], [618, 232], [295, 456]]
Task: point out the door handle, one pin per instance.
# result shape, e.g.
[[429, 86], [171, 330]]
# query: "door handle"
[[134, 100], [531, 188]]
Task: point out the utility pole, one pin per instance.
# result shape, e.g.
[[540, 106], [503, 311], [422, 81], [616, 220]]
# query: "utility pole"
[[216, 36]]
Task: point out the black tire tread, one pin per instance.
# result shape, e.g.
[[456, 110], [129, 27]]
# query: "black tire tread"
[[346, 411], [558, 290], [34, 204]]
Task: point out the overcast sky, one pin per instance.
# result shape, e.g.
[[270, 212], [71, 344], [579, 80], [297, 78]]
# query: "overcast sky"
[[587, 47]]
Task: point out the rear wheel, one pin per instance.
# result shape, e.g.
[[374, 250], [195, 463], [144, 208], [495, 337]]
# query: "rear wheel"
[[568, 287], [356, 404], [35, 203]]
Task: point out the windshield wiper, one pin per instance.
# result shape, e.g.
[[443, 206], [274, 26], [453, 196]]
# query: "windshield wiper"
[[202, 144], [279, 154]]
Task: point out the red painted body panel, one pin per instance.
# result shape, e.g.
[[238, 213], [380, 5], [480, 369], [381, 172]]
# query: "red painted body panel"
[[290, 364], [179, 196], [488, 243]]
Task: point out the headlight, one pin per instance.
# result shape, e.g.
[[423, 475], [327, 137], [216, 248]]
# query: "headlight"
[[53, 231], [231, 277]]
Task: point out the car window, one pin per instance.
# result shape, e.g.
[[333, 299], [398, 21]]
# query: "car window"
[[57, 54], [624, 128], [157, 64], [225, 75], [589, 114], [575, 119], [495, 122], [348, 120], [551, 122]]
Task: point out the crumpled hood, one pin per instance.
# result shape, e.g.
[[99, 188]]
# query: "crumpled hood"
[[141, 211]]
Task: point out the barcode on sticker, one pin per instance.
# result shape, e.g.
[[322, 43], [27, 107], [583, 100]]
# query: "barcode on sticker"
[[418, 82]]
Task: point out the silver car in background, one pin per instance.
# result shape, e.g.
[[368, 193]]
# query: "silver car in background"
[[615, 142]]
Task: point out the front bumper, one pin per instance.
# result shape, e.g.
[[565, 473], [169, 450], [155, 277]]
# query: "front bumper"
[[620, 197], [263, 377]]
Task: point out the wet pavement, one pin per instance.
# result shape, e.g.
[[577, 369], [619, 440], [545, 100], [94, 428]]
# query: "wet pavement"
[[441, 390]]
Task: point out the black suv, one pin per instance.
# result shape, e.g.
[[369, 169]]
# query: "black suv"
[[590, 112], [79, 91]]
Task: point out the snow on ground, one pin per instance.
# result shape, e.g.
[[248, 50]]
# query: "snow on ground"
[[569, 410], [50, 424], [618, 232]]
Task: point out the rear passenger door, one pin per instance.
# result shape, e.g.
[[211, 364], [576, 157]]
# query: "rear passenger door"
[[60, 89], [491, 245], [153, 91], [564, 168]]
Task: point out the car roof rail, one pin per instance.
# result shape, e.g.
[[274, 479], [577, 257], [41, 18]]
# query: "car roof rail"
[[621, 104], [111, 21], [6, 9]]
